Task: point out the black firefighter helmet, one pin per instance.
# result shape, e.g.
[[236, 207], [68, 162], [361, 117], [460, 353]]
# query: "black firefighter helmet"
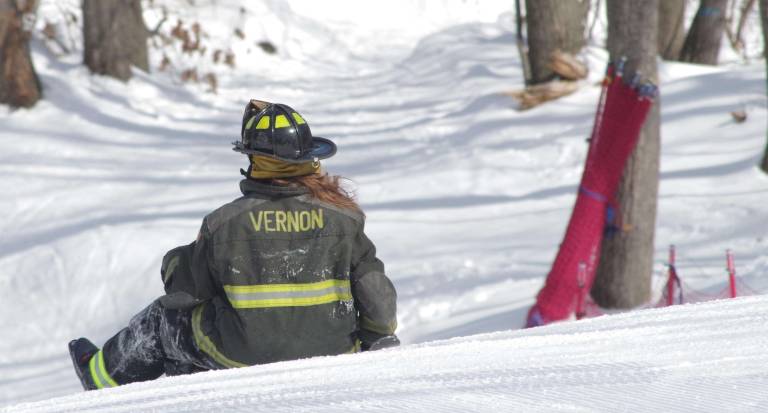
[[277, 131]]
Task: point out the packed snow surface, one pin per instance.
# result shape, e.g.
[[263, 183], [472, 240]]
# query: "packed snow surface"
[[466, 198], [672, 359]]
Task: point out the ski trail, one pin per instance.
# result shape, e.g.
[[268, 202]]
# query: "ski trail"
[[705, 357]]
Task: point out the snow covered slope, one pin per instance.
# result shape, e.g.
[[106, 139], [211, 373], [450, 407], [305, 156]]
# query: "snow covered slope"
[[696, 358], [466, 199]]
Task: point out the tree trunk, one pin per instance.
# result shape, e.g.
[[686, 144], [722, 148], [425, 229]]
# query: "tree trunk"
[[19, 84], [623, 278], [671, 28], [553, 25], [763, 6], [702, 45], [115, 37]]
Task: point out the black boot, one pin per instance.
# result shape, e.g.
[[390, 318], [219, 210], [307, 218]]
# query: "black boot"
[[81, 351]]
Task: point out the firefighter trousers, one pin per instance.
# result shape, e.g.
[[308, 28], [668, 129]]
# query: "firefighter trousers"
[[156, 341]]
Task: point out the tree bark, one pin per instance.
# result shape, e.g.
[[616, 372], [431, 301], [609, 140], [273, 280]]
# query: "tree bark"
[[763, 7], [115, 37], [702, 44], [19, 84], [553, 25], [671, 28], [623, 278]]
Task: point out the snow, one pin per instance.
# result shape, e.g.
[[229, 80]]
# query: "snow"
[[467, 200], [561, 368]]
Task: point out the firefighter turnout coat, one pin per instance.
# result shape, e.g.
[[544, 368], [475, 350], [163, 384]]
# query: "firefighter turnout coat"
[[278, 275]]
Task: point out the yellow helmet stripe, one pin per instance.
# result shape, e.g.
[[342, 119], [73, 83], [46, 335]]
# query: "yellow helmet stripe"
[[281, 121], [298, 118], [263, 123]]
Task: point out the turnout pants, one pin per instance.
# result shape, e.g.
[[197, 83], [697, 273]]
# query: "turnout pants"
[[157, 341]]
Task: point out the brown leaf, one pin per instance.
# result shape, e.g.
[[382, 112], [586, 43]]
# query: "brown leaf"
[[739, 116]]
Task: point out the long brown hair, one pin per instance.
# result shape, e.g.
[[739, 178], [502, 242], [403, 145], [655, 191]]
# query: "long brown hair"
[[326, 188]]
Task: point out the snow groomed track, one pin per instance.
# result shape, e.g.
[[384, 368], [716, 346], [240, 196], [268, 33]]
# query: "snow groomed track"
[[704, 357]]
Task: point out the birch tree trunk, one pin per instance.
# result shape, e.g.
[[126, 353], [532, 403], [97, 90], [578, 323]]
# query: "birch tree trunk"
[[623, 278]]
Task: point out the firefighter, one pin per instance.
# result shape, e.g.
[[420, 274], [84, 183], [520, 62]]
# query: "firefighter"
[[283, 272]]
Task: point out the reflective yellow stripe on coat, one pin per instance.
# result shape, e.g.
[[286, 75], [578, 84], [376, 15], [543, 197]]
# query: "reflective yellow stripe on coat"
[[205, 344], [288, 295]]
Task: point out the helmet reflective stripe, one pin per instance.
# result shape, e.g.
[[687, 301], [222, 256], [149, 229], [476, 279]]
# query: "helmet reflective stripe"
[[263, 123], [298, 118], [288, 295], [99, 373], [281, 122]]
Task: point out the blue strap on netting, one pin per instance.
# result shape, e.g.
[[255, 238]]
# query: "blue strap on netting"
[[610, 211], [592, 194], [610, 226]]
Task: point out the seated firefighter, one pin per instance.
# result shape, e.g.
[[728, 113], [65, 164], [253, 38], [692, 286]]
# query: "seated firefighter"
[[283, 272]]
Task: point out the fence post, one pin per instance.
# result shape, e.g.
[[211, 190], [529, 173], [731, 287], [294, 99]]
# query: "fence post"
[[731, 272], [671, 277], [581, 278]]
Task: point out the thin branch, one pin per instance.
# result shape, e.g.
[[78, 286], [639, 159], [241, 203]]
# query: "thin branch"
[[156, 30]]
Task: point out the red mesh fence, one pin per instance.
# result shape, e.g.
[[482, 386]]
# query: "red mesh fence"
[[619, 117], [676, 291]]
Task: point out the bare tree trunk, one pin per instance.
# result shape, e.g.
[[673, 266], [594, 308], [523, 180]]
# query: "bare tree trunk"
[[115, 37], [553, 25], [763, 6], [623, 278], [522, 48], [737, 38], [702, 45], [671, 28], [19, 84]]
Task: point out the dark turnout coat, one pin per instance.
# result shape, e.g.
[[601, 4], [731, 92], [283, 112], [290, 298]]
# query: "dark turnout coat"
[[278, 275]]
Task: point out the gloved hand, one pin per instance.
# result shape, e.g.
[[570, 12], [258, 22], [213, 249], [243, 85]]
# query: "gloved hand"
[[370, 341]]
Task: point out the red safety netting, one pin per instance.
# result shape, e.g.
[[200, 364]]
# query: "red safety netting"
[[620, 115], [677, 291], [674, 291]]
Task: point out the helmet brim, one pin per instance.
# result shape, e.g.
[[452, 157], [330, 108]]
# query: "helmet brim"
[[322, 148]]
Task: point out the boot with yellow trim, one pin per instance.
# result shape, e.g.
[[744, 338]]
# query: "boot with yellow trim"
[[82, 351]]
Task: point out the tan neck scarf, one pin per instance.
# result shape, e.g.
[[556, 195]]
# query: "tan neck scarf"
[[264, 167]]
